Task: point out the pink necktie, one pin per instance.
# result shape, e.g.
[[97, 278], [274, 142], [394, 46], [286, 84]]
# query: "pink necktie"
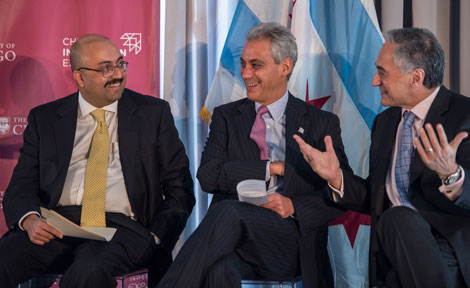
[[258, 132]]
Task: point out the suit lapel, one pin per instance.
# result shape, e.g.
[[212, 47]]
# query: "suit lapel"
[[64, 134], [435, 115], [295, 120], [386, 138], [243, 123], [381, 153], [128, 140]]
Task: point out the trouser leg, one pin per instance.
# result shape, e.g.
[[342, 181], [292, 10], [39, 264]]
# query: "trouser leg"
[[84, 263], [259, 236], [20, 259], [406, 240], [97, 263], [228, 272], [455, 279]]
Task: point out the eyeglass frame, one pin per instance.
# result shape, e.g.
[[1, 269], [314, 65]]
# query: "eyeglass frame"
[[112, 69]]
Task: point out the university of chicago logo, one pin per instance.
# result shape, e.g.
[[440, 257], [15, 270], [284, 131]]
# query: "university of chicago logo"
[[133, 41], [4, 125]]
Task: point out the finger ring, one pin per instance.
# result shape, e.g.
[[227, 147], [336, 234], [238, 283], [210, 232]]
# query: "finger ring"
[[429, 150]]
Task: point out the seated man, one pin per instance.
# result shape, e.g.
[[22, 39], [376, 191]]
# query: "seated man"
[[252, 139], [105, 156], [418, 188]]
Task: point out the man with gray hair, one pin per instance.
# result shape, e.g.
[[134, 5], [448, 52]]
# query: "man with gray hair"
[[417, 184], [252, 139]]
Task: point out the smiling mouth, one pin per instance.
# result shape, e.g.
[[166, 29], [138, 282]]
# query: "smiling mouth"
[[114, 83], [252, 84]]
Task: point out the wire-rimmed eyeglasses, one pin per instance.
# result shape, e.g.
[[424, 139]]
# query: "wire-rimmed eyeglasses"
[[108, 70]]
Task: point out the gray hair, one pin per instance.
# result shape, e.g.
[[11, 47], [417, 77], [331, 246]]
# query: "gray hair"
[[282, 41], [418, 48], [76, 50]]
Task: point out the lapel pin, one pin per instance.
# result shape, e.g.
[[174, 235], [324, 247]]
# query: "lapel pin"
[[301, 130]]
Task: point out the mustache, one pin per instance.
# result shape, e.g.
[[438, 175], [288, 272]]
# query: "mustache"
[[114, 81]]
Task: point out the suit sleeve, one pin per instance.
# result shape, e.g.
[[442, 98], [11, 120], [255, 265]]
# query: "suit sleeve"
[[356, 193], [176, 182], [22, 194], [463, 159], [217, 172], [315, 208]]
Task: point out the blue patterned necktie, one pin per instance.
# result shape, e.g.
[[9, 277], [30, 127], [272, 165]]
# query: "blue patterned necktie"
[[403, 160]]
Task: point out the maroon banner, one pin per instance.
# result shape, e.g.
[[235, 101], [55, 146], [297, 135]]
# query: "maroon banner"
[[35, 42]]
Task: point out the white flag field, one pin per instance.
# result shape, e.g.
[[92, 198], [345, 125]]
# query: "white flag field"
[[338, 42]]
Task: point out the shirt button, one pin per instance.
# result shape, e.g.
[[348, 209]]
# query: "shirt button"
[[267, 126]]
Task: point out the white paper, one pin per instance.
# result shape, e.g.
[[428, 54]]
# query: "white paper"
[[252, 191], [68, 228]]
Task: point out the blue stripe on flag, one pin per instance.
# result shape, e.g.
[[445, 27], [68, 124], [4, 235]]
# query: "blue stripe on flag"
[[352, 43], [243, 20]]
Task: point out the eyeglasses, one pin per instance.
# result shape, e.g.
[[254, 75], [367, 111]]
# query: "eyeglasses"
[[108, 70]]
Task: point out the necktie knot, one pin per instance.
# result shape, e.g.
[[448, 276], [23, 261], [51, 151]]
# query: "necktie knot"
[[262, 110], [98, 114], [408, 119]]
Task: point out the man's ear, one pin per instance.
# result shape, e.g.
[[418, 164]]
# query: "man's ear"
[[78, 78], [286, 66], [417, 77]]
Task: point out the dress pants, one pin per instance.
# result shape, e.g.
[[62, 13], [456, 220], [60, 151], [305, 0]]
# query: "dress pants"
[[412, 254], [236, 240], [84, 263]]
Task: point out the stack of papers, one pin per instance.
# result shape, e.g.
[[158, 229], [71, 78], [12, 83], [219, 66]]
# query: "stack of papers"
[[68, 228]]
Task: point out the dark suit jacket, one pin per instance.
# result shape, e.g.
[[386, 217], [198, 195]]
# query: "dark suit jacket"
[[449, 218], [230, 156], [153, 162]]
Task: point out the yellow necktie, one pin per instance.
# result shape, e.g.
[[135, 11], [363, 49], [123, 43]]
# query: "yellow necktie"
[[94, 196]]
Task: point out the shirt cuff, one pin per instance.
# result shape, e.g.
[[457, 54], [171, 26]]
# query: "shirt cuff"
[[267, 177], [337, 192], [24, 217], [454, 188]]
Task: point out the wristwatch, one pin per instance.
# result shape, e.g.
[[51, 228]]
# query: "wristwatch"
[[452, 178]]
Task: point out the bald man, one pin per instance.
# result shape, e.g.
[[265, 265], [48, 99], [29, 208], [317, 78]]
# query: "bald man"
[[144, 183]]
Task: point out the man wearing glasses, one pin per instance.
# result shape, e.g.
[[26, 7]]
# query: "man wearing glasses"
[[103, 157]]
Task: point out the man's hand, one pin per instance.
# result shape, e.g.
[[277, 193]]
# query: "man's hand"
[[39, 231], [280, 204], [438, 154], [276, 168], [325, 164]]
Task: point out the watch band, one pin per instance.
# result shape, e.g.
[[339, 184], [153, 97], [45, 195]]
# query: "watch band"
[[452, 178]]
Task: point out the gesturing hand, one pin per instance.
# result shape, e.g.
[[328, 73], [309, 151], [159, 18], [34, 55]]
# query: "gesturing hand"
[[39, 231], [438, 154], [325, 164]]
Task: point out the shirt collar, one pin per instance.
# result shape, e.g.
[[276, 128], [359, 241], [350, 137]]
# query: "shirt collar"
[[86, 108], [277, 108], [421, 109]]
